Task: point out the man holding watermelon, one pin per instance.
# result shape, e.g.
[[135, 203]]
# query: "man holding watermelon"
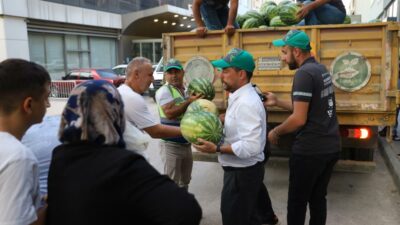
[[317, 12], [172, 104], [316, 148], [244, 197], [216, 14]]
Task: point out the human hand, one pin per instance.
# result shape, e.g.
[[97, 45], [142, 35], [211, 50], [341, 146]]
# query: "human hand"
[[271, 99], [194, 97], [273, 137], [201, 32], [230, 30], [303, 12], [205, 146]]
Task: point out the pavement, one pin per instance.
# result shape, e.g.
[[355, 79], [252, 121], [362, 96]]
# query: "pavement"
[[390, 151]]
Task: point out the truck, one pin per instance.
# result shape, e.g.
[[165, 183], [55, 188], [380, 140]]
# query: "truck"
[[363, 60]]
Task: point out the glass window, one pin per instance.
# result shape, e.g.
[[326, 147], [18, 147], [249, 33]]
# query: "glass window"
[[54, 51], [157, 51], [106, 73], [36, 48], [147, 50], [102, 52]]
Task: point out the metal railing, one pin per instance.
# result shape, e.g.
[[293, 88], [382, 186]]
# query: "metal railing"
[[61, 88]]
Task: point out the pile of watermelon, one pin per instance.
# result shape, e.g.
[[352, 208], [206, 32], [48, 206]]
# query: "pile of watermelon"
[[270, 14], [201, 121]]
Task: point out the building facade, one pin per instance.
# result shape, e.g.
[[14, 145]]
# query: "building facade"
[[68, 34]]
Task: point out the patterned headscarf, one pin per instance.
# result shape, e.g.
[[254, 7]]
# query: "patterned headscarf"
[[94, 113]]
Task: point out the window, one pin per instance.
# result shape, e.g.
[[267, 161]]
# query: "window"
[[103, 52], [150, 49]]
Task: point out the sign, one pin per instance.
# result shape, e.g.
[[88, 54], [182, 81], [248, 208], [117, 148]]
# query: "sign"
[[350, 71], [269, 63]]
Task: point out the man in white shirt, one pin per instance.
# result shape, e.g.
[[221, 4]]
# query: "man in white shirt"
[[139, 75], [244, 198], [24, 91]]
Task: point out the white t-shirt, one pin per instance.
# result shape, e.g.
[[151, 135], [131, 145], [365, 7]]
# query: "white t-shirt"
[[136, 110], [19, 182]]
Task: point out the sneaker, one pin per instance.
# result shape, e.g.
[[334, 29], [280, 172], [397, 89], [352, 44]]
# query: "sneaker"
[[396, 138], [274, 221]]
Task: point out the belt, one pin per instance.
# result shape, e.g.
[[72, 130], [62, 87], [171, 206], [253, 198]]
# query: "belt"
[[230, 168]]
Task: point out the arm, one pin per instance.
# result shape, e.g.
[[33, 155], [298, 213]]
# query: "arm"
[[310, 7], [172, 111], [209, 147], [201, 29], [233, 8], [295, 121], [41, 214], [272, 100], [163, 131]]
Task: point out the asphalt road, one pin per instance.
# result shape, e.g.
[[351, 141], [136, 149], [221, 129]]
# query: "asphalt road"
[[353, 198]]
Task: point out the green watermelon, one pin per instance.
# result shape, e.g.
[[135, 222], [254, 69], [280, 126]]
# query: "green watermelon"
[[347, 20], [240, 20], [202, 86], [375, 21], [277, 22], [271, 12], [203, 125], [285, 2], [288, 14], [203, 105], [265, 5], [263, 27], [252, 23]]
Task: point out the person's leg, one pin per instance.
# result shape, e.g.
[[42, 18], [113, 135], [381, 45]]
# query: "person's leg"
[[310, 19], [239, 196], [304, 171], [328, 14], [172, 161], [318, 197], [186, 166], [210, 17], [264, 206]]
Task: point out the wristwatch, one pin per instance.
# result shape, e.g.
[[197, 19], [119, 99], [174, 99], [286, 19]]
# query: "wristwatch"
[[218, 150]]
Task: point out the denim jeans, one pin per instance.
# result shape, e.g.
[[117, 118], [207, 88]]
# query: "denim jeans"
[[325, 14], [215, 19]]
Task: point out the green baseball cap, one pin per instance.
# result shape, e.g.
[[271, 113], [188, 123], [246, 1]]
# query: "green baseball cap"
[[294, 38], [173, 64], [238, 58]]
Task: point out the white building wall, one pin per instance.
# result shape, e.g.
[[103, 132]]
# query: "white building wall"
[[13, 38]]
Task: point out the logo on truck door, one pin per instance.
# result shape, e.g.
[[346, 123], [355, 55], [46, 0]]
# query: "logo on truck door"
[[350, 71]]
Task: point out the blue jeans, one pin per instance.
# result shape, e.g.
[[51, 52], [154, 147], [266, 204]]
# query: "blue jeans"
[[215, 19], [325, 14]]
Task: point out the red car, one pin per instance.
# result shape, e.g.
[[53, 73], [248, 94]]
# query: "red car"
[[81, 75], [62, 88]]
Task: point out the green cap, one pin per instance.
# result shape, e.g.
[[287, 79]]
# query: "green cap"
[[173, 64], [236, 58], [294, 38]]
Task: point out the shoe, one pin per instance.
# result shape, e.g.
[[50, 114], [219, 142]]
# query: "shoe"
[[274, 221], [396, 138]]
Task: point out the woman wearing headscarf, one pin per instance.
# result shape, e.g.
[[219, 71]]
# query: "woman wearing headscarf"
[[93, 179]]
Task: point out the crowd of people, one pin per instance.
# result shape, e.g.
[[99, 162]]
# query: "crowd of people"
[[88, 169]]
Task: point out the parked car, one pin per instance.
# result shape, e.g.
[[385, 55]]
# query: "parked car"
[[81, 75], [158, 74], [120, 69]]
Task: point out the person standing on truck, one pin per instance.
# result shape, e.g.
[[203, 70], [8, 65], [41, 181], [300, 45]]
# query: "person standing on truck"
[[315, 12], [216, 15], [317, 144], [172, 104], [244, 197]]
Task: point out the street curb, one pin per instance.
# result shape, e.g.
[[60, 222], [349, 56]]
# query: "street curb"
[[391, 160]]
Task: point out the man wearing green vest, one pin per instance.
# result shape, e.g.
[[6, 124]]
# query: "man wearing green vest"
[[172, 104]]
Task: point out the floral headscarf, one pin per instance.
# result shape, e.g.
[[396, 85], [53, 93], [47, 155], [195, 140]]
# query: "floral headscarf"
[[94, 113]]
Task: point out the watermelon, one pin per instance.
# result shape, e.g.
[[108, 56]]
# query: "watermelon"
[[375, 21], [252, 23], [288, 14], [347, 20], [203, 125], [250, 14], [202, 86], [263, 27], [271, 12], [240, 20], [285, 2], [277, 22], [203, 105]]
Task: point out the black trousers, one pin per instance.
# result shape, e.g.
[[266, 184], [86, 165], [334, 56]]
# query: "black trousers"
[[308, 182], [245, 199]]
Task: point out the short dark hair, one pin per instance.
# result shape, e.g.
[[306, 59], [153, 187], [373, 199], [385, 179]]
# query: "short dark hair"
[[19, 79], [249, 75]]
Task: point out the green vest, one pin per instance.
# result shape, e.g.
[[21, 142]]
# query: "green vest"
[[178, 99]]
